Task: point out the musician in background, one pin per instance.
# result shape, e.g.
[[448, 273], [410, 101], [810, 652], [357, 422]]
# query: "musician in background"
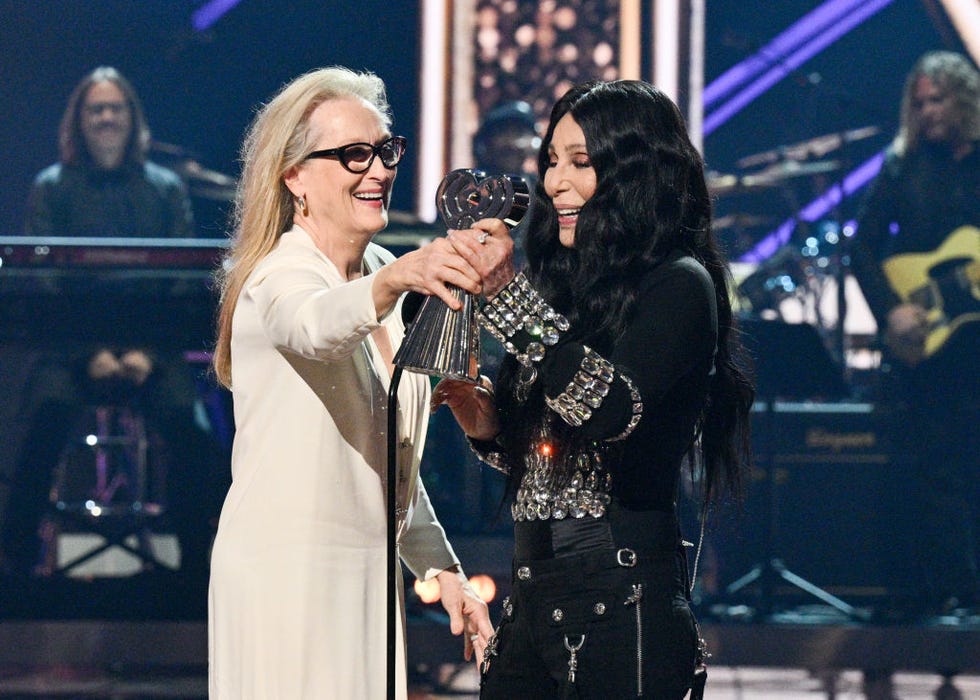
[[104, 186], [916, 255], [507, 140]]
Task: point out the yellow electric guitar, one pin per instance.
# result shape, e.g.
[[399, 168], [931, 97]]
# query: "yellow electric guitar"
[[945, 282]]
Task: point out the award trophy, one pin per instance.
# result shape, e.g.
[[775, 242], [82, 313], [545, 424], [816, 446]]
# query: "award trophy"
[[440, 341]]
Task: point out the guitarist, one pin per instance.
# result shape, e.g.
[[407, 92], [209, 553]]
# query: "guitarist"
[[922, 213]]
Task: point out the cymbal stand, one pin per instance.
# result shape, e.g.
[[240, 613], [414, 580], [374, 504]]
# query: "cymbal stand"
[[835, 235]]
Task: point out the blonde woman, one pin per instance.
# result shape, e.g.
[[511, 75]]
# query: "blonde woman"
[[309, 321]]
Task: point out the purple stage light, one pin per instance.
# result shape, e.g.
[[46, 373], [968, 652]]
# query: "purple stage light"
[[771, 243], [210, 12], [790, 63], [800, 31]]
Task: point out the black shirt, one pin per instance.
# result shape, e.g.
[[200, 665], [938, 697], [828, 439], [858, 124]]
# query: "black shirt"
[[667, 351], [913, 205], [133, 201]]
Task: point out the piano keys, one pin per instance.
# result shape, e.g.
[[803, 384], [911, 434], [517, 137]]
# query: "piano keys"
[[67, 253], [145, 291]]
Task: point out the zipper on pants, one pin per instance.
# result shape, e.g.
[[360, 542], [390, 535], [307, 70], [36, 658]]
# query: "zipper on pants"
[[634, 599]]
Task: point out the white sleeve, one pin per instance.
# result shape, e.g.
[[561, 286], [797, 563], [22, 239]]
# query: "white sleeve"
[[307, 310], [424, 547]]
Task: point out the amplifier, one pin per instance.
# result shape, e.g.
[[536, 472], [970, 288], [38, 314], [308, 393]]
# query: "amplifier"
[[820, 433], [828, 496]]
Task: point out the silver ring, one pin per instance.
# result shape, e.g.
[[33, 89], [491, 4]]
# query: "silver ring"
[[474, 637], [482, 238]]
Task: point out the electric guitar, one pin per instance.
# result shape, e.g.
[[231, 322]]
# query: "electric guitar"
[[945, 282]]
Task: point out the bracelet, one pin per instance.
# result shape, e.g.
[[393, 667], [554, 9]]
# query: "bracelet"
[[637, 409], [587, 390], [519, 307], [491, 457]]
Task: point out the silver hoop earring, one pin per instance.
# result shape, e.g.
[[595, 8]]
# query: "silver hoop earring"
[[301, 203]]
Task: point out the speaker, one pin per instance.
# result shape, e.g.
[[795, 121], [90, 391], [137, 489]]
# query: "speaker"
[[828, 497]]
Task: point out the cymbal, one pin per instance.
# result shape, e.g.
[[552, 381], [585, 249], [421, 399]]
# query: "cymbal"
[[740, 221], [777, 172], [817, 147], [216, 193], [194, 171], [205, 183], [720, 184]]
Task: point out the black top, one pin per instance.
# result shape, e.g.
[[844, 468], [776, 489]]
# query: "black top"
[[147, 201], [919, 203], [667, 351], [162, 307], [916, 201]]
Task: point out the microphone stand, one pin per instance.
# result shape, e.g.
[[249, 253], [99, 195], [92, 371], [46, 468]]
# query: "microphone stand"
[[392, 504], [463, 364]]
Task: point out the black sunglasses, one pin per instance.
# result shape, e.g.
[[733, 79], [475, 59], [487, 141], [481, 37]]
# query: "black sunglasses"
[[358, 157]]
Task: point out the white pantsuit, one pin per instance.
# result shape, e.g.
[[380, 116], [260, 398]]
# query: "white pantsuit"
[[297, 601]]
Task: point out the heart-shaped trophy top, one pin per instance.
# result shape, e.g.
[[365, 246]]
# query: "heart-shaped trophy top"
[[465, 196]]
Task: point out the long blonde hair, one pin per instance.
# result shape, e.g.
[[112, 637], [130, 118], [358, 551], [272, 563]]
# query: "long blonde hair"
[[952, 73], [278, 139]]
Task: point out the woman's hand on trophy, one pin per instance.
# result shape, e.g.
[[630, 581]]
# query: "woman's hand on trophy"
[[488, 247], [429, 270], [471, 404]]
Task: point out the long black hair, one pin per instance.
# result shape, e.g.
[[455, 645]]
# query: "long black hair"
[[650, 200]]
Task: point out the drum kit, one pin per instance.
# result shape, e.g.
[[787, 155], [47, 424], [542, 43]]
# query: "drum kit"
[[202, 182], [798, 282], [792, 306]]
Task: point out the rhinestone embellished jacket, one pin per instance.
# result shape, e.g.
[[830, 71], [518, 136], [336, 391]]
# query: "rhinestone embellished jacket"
[[666, 353]]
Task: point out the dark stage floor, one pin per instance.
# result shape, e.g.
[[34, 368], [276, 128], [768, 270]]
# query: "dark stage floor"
[[128, 638], [144, 636], [115, 660]]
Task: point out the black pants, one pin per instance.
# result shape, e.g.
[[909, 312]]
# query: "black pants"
[[936, 425], [602, 624]]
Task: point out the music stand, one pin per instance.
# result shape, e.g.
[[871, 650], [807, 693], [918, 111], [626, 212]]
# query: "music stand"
[[791, 364]]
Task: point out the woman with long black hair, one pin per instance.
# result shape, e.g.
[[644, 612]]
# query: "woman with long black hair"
[[623, 366]]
